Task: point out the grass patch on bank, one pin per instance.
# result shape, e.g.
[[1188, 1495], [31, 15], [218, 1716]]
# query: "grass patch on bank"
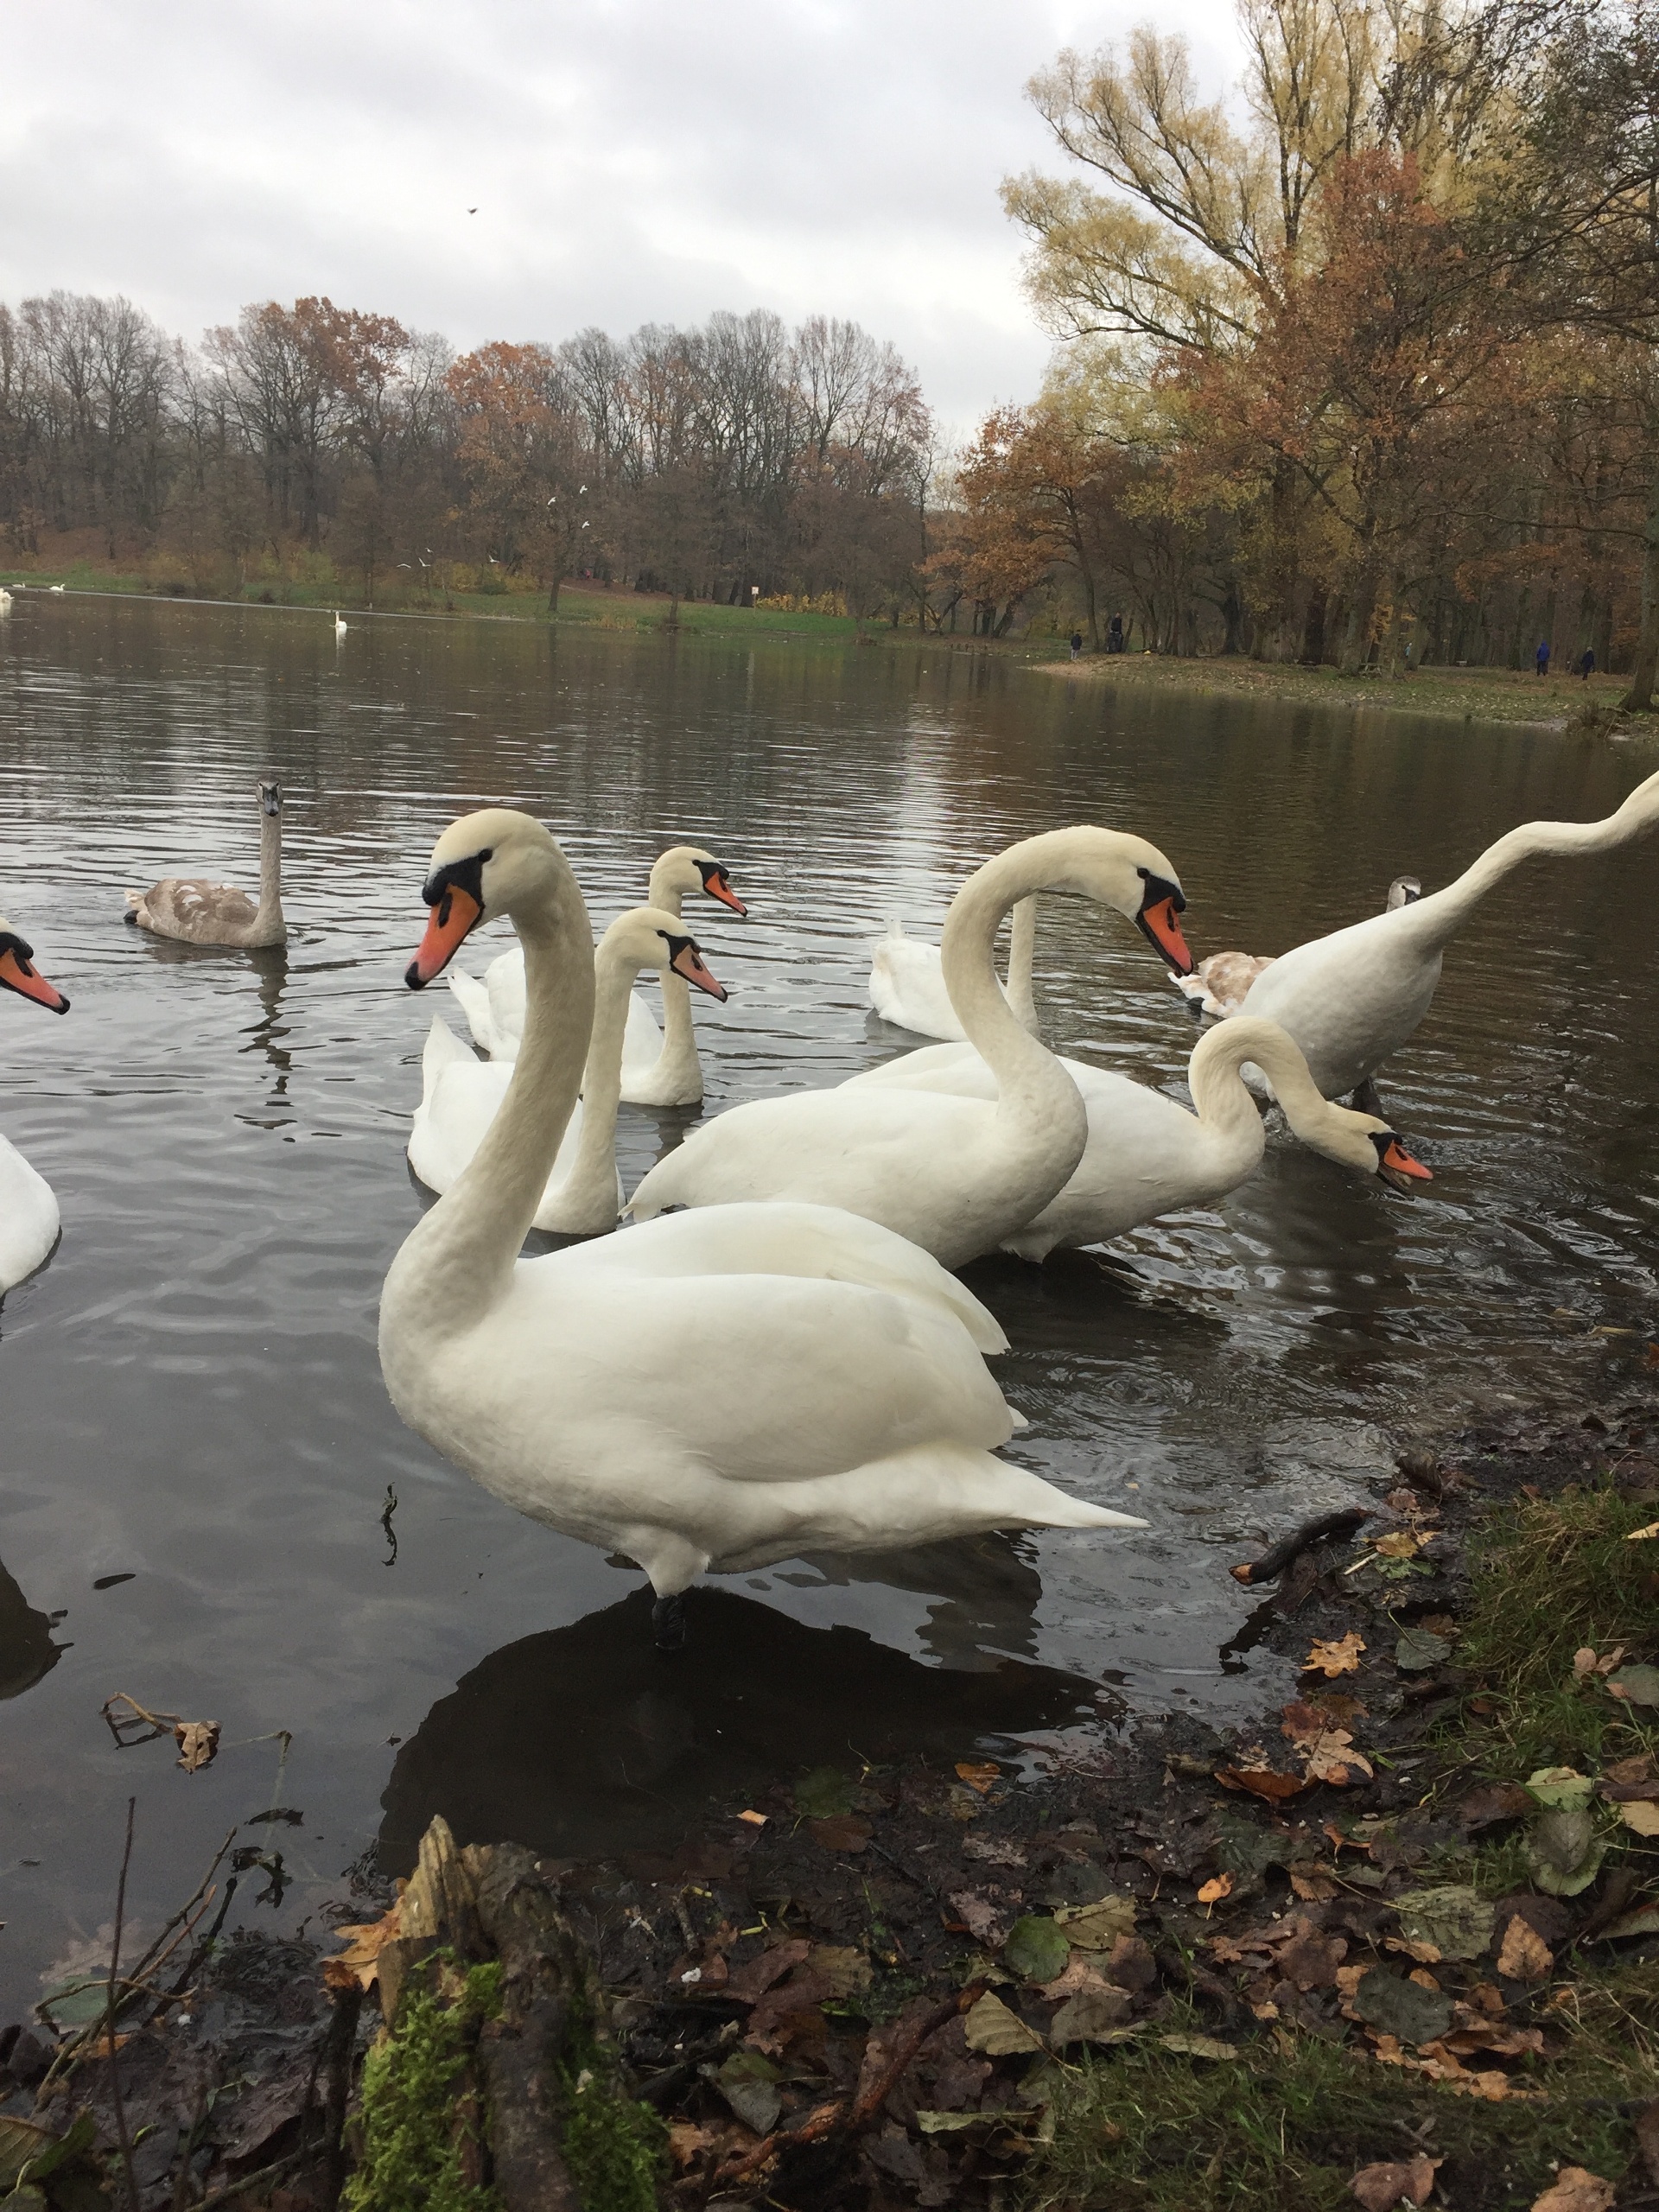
[[1299, 2110]]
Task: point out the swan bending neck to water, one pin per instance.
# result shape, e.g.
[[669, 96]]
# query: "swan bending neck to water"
[[725, 1389], [907, 979], [955, 1175], [1147, 1154], [28, 1207], [197, 912], [660, 1067], [1352, 999], [461, 1096]]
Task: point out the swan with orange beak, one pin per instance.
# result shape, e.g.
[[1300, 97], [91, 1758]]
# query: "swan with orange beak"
[[29, 1210]]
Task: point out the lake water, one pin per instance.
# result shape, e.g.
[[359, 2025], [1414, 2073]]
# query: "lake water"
[[189, 1396]]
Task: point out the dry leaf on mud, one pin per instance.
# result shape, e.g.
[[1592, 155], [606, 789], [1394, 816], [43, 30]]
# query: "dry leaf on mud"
[[1399, 1543], [981, 1777], [990, 2026], [1523, 1956], [1211, 1892], [1380, 2188], [1576, 2189], [1262, 1782], [358, 1965], [1644, 1535], [980, 1917], [197, 1742], [1332, 1758], [1340, 1657], [841, 1831], [1097, 1927], [1642, 1815]]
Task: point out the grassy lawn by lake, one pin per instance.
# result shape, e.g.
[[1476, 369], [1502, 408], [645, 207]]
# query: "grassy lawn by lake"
[[1453, 694]]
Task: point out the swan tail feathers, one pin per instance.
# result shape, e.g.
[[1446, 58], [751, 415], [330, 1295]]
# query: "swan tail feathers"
[[474, 1002], [442, 1049]]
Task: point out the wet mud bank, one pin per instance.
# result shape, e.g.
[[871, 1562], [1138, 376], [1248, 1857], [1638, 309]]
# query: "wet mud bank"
[[1397, 1941]]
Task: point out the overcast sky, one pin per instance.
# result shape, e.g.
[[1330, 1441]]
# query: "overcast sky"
[[631, 160]]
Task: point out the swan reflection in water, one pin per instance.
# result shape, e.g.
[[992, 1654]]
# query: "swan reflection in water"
[[580, 1743], [27, 1652]]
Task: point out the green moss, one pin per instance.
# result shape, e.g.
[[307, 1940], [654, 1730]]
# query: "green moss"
[[412, 2143], [612, 2146]]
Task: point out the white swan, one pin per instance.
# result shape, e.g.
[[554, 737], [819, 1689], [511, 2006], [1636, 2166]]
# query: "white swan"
[[1147, 1154], [5, 601], [725, 1389], [56, 590], [201, 912], [658, 1069], [955, 1175], [340, 626], [1352, 999], [461, 1096], [908, 981], [28, 1209], [1219, 985]]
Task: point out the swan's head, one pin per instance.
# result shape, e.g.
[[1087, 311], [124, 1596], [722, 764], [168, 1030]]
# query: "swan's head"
[[1369, 1146], [19, 973], [686, 868], [1404, 891], [482, 866], [649, 936], [270, 793], [1126, 872]]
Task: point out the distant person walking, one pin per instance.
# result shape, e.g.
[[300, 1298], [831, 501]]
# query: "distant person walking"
[[1586, 664], [1115, 634], [1543, 656], [1076, 644]]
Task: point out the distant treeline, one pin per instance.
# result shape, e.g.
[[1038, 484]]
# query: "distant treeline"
[[741, 459]]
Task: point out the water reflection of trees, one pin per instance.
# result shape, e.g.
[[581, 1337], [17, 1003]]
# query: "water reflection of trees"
[[583, 1741]]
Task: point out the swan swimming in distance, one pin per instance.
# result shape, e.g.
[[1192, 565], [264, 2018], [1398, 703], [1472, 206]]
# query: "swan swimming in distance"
[[340, 625], [955, 1175], [907, 979], [725, 1389], [28, 1207], [660, 1067], [461, 1096], [1352, 1000], [1147, 1153], [197, 912]]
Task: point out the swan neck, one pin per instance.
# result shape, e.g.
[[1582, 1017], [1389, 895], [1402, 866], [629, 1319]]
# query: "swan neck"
[[1022, 945], [270, 869], [473, 1235], [592, 1181], [1436, 917], [1029, 1079]]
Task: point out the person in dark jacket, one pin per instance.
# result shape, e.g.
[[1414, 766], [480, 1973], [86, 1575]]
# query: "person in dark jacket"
[[1543, 656], [1076, 643], [1586, 664]]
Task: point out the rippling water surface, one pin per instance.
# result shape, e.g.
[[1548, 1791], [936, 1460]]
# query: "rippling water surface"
[[189, 1398]]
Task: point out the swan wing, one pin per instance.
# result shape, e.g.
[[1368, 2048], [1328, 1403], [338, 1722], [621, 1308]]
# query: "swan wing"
[[28, 1217], [460, 1098], [642, 1041], [907, 986], [200, 912], [503, 979], [825, 1242]]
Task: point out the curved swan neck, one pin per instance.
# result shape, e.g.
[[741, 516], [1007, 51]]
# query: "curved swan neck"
[[473, 1235], [1029, 1079], [1022, 945], [270, 871], [679, 1050], [1436, 917], [1218, 1088], [592, 1180]]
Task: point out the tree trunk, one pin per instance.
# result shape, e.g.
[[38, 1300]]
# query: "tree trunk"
[[1639, 697], [553, 594]]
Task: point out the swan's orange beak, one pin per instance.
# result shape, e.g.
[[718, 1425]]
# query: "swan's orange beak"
[[1399, 1169], [1162, 926], [720, 887], [19, 973], [456, 914], [690, 963]]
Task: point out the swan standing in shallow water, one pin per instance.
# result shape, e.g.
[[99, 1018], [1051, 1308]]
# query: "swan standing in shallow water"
[[725, 1389], [1147, 1154], [461, 1096], [660, 1067], [340, 625], [955, 1175], [28, 1209], [1219, 985], [197, 912], [1352, 998], [907, 979]]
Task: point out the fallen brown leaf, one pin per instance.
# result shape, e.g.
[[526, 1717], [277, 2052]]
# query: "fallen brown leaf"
[[841, 1831], [1577, 2189], [358, 1966], [1495, 1801], [1399, 1543], [980, 1917], [1380, 2188], [1340, 1657], [1262, 1782], [752, 1981], [1641, 1815], [197, 1742], [1212, 1891], [983, 1778], [1313, 1887]]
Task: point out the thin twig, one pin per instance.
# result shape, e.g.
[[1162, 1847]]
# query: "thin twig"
[[115, 2074]]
